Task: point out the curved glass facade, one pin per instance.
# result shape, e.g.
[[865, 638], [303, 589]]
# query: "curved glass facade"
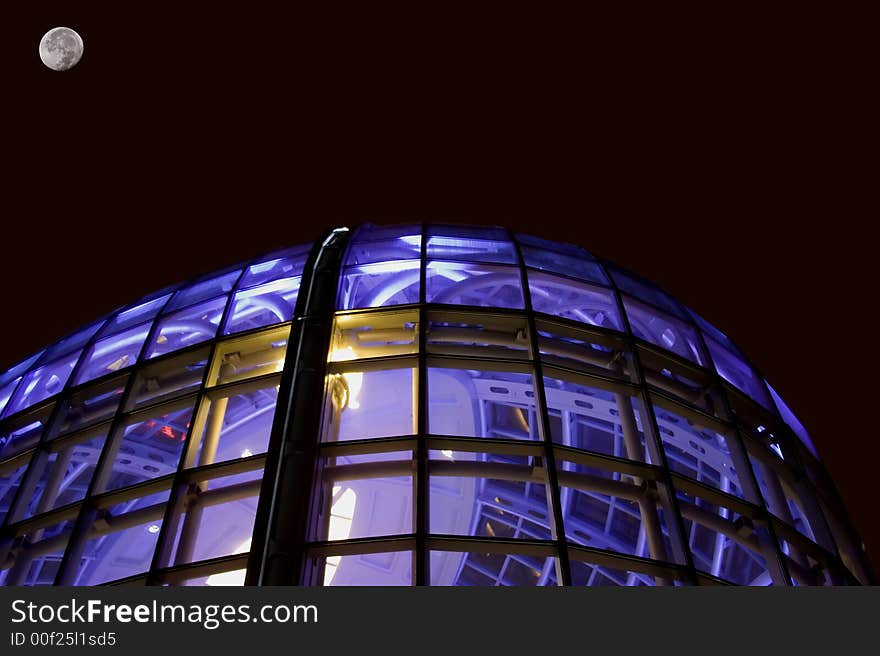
[[411, 405]]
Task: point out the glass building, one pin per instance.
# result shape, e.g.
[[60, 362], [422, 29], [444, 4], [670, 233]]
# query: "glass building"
[[411, 405]]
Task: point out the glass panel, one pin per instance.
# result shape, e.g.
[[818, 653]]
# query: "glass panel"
[[204, 290], [376, 569], [456, 568], [366, 404], [22, 433], [6, 393], [589, 418], [474, 250], [392, 282], [70, 343], [113, 353], [63, 476], [483, 335], [489, 495], [648, 292], [122, 543], [733, 555], [230, 577], [461, 283], [664, 330], [93, 405], [284, 265], [187, 327], [218, 519], [270, 303], [19, 369], [570, 348], [248, 357], [42, 383], [365, 496], [11, 477], [468, 232], [573, 266], [372, 232], [38, 555], [405, 247], [168, 379], [374, 334], [589, 574], [147, 447], [574, 300], [698, 452], [472, 403], [789, 417], [235, 426], [737, 372], [135, 315]]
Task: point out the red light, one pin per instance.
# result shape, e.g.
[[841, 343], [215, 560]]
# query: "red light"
[[167, 431]]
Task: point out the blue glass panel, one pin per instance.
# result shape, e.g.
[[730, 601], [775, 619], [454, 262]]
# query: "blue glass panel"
[[793, 422], [113, 353], [579, 301], [71, 342], [646, 291], [193, 325], [738, 373], [42, 383], [23, 433], [19, 369], [39, 566], [588, 574], [711, 332], [455, 568], [6, 392], [470, 403], [539, 245], [567, 265], [270, 303], [404, 247], [205, 289], [474, 250], [374, 569], [286, 264], [11, 477], [469, 232], [135, 315], [664, 330], [381, 284], [375, 404], [89, 406], [64, 475], [371, 232], [464, 283]]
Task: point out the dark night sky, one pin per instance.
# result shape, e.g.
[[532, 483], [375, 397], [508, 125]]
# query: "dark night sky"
[[720, 156]]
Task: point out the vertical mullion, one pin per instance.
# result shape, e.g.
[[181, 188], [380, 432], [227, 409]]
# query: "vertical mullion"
[[652, 436], [555, 494], [421, 557]]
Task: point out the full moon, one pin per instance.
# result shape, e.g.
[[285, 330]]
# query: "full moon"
[[61, 48]]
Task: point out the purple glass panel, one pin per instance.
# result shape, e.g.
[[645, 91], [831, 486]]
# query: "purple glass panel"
[[16, 371], [110, 556], [113, 353], [404, 247], [464, 283], [65, 474], [371, 232], [90, 406], [567, 260], [168, 379], [468, 232], [42, 383], [203, 290], [42, 559], [70, 343], [394, 282], [193, 325], [455, 568], [477, 504], [789, 417], [588, 574], [149, 448], [579, 352], [286, 264], [697, 452], [366, 507], [236, 427], [734, 556], [711, 332], [738, 373], [664, 330], [6, 392], [221, 522], [376, 404], [472, 403], [23, 433], [645, 291], [137, 314], [574, 300], [392, 568], [444, 247], [267, 304], [589, 418], [11, 475]]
